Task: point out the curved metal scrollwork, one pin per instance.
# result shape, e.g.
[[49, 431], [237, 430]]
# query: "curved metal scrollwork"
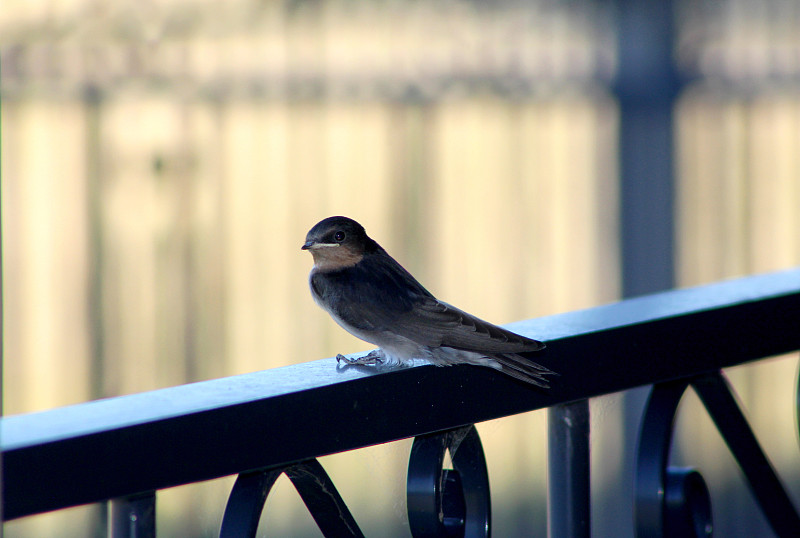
[[669, 501], [673, 502], [315, 487], [444, 502]]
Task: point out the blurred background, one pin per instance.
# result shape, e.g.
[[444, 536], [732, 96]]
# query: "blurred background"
[[163, 160]]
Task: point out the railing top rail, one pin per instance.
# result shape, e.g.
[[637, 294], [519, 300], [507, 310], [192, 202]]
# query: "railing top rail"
[[118, 446]]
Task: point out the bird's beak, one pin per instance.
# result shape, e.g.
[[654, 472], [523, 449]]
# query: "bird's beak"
[[314, 245]]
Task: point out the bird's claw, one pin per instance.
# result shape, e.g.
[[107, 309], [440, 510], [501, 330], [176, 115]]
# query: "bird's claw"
[[373, 357]]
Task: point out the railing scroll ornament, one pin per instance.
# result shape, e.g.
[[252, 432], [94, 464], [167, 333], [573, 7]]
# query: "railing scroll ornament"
[[673, 502], [312, 483], [448, 502]]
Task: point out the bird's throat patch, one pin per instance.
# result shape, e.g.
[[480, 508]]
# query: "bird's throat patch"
[[335, 258]]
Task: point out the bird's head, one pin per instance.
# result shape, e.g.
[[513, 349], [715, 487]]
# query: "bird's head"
[[336, 243]]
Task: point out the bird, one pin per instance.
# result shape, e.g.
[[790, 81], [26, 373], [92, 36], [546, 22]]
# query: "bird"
[[374, 298]]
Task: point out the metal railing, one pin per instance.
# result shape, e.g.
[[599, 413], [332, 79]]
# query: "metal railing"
[[263, 424]]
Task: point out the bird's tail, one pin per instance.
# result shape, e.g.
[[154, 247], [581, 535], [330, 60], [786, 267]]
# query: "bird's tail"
[[523, 369]]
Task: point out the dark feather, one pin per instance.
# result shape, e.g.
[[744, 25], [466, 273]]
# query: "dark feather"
[[379, 294]]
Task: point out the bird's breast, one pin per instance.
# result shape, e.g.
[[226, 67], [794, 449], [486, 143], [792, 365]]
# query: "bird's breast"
[[398, 349], [323, 293]]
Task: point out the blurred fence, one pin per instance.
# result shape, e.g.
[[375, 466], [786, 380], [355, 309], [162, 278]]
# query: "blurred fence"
[[162, 162]]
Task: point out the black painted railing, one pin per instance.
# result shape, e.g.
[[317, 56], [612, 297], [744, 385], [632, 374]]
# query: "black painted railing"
[[278, 421]]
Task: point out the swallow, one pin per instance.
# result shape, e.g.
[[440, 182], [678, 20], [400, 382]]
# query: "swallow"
[[375, 299]]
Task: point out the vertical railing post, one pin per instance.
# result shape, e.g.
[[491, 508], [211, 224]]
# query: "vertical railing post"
[[133, 516], [568, 495], [647, 86]]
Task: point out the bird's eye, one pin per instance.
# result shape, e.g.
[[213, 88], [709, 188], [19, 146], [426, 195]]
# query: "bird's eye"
[[339, 236]]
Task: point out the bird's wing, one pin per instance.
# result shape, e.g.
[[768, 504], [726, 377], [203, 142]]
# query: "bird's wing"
[[378, 294], [435, 323]]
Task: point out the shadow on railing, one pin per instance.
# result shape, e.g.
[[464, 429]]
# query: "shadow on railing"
[[278, 421]]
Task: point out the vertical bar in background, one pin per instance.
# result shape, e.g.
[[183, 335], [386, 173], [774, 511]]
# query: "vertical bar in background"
[[133, 516], [93, 106], [568, 487], [647, 85]]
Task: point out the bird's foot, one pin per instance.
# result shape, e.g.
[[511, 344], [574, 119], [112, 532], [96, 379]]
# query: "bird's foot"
[[373, 357]]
